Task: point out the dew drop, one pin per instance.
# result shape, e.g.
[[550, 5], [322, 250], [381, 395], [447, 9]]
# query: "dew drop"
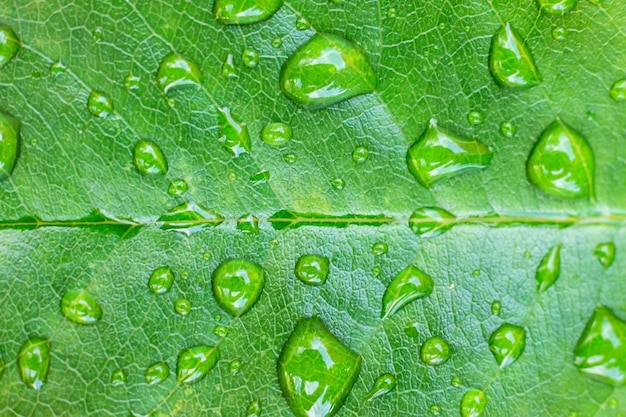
[[277, 42], [435, 409], [189, 218], [559, 34], [33, 362], [380, 248], [97, 34], [384, 383], [149, 159], [182, 306], [409, 285], [243, 12], [229, 70], [234, 134], [360, 154], [496, 308], [302, 23], [248, 224], [312, 269], [234, 367], [276, 134], [475, 118], [510, 60], [220, 331], [99, 105], [435, 351], [195, 362], [9, 144], [156, 373], [207, 256], [9, 45], [549, 269], [178, 188], [316, 370], [507, 344], [391, 12], [250, 58], [376, 271], [175, 72], [118, 377], [80, 307], [508, 129], [618, 90], [237, 284], [556, 7], [161, 280], [473, 403], [290, 158], [57, 69], [456, 382], [430, 222], [338, 183], [254, 409], [260, 178], [605, 252]]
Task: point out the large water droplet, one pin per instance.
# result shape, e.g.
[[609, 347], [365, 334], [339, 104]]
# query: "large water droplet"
[[510, 60], [9, 45], [409, 285], [276, 134], [562, 163], [438, 154], [312, 269], [149, 159], [189, 218], [384, 384], [195, 362], [248, 224], [33, 362], [473, 403], [430, 222], [556, 7], [80, 307], [326, 70], [99, 105], [176, 71], [435, 351], [549, 269], [316, 370], [220, 331], [254, 409], [237, 285], [601, 349], [243, 12], [605, 252], [507, 344], [156, 373], [233, 133], [9, 144], [161, 280], [618, 90]]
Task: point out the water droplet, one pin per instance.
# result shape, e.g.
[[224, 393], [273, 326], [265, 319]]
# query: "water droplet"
[[439, 154], [380, 248], [435, 409], [391, 12], [559, 34], [260, 178], [338, 183], [549, 269], [411, 329], [510, 61], [207, 256], [250, 58], [276, 134], [618, 90], [97, 34], [184, 274], [149, 159], [601, 349], [435, 351], [189, 218], [178, 188], [131, 82], [605, 252], [195, 362], [384, 384], [456, 382], [175, 72], [302, 23], [496, 308], [234, 367], [233, 133], [80, 307], [243, 12], [57, 69], [312, 269], [118, 377], [527, 255], [290, 158], [562, 163], [326, 70], [220, 331], [473, 403], [9, 45], [556, 7], [237, 285], [156, 373], [430, 222], [229, 70], [161, 280], [316, 370], [360, 154], [248, 224], [254, 409], [508, 129], [33, 362], [99, 105], [475, 118], [277, 42], [376, 271], [507, 344], [409, 285], [9, 144]]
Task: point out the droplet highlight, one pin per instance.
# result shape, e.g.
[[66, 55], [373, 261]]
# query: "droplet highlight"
[[99, 105], [618, 90], [248, 224], [161, 280], [250, 58], [9, 45], [189, 218], [556, 7], [605, 253]]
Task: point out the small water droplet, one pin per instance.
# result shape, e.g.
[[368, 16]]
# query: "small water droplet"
[[149, 159], [556, 7], [248, 224], [229, 70], [439, 154], [33, 362], [510, 60], [476, 273], [527, 255], [277, 42], [207, 256], [360, 154], [302, 23], [260, 178], [237, 284], [473, 403], [9, 144], [254, 409], [234, 367], [391, 12], [161, 280], [338, 183], [430, 222], [376, 271], [384, 383], [290, 158], [189, 218], [435, 351], [507, 344], [496, 308], [80, 307], [195, 362], [99, 105], [220, 331], [156, 373], [316, 370], [618, 90], [409, 285], [118, 377], [508, 129], [9, 45], [549, 269], [379, 248], [312, 269], [475, 118], [244, 12], [435, 409], [559, 34], [605, 252], [178, 188], [97, 34], [184, 274], [411, 329], [182, 306], [456, 382], [234, 134], [56, 69], [175, 72], [276, 134], [250, 58]]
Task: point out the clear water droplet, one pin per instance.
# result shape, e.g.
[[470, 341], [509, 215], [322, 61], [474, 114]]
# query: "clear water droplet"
[[435, 351], [244, 12], [475, 118], [189, 218], [220, 331], [132, 82], [409, 285], [473, 403], [250, 58], [277, 42], [376, 271], [234, 134], [380, 248], [618, 90], [99, 105], [338, 183], [276, 134], [195, 362], [429, 222], [118, 377], [234, 367], [260, 178], [57, 69], [312, 269], [360, 154], [549, 269], [248, 224], [384, 383], [156, 373], [435, 409], [80, 307], [182, 306], [175, 72], [391, 12], [33, 362], [254, 409], [9, 144], [302, 23], [207, 256], [496, 308], [184, 274], [556, 7], [97, 34], [507, 344], [559, 34], [149, 159], [229, 70], [508, 129], [237, 284], [510, 61], [605, 252], [161, 280], [9, 45], [178, 188], [456, 382]]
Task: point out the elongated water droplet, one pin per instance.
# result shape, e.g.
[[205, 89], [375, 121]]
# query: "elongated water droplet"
[[9, 144], [384, 384], [33, 362], [316, 370], [254, 409], [326, 70], [562, 163], [312, 269], [175, 72], [549, 269], [508, 129], [276, 134], [189, 218], [99, 105], [302, 23], [380, 248], [510, 60], [248, 224], [250, 58], [496, 308], [57, 69], [229, 70], [473, 403], [80, 307], [430, 222], [234, 367], [131, 82], [156, 373], [260, 178], [618, 90], [556, 7], [233, 133], [9, 45], [182, 306], [290, 158], [435, 351], [178, 188], [605, 252], [507, 344], [600, 352], [409, 285], [161, 280], [243, 12], [439, 154], [237, 284], [149, 159], [360, 154], [195, 362], [118, 377]]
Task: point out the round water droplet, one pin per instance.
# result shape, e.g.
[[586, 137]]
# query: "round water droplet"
[[473, 403], [229, 70], [99, 105], [456, 382], [118, 377], [234, 134], [9, 45], [276, 134], [435, 409], [176, 71], [97, 34], [254, 409], [248, 224], [312, 269], [376, 271], [234, 367], [277, 42], [156, 373], [250, 58], [80, 307], [220, 331], [380, 248], [360, 154], [507, 344], [559, 34], [207, 256], [435, 351], [510, 60], [476, 272], [149, 159], [618, 90], [475, 118], [178, 188], [409, 285], [182, 306], [237, 285], [57, 69], [508, 129], [302, 23], [556, 7], [338, 183], [496, 308], [549, 269], [9, 144], [605, 252], [33, 362], [384, 383], [161, 280], [290, 158], [195, 362], [131, 82], [243, 12]]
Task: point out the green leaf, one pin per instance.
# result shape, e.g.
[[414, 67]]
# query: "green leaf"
[[321, 169]]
